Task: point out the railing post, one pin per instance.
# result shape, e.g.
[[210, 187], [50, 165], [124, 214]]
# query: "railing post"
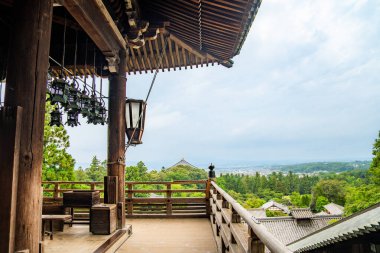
[[235, 217], [254, 243], [56, 191], [92, 186], [225, 203], [169, 204], [130, 199], [211, 177]]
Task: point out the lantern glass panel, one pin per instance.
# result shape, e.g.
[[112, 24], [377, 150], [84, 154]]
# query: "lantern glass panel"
[[135, 114]]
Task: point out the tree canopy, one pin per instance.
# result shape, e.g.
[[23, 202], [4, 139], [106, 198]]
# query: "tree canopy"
[[58, 164]]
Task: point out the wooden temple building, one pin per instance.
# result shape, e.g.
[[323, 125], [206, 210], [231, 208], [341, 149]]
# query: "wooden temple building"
[[43, 40]]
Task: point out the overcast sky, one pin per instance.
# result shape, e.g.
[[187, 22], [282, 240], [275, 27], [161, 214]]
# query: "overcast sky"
[[305, 87]]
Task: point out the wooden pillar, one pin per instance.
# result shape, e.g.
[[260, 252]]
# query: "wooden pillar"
[[10, 129], [28, 61], [254, 243], [116, 131]]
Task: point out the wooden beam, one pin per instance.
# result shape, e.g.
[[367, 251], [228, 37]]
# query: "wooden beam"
[[191, 49], [95, 20], [171, 53], [158, 52], [116, 132], [142, 59], [26, 87], [151, 55], [10, 130], [178, 55], [163, 48], [147, 58], [134, 58]]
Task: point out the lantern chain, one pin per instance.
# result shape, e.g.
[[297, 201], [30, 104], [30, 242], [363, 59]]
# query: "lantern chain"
[[121, 160], [69, 71], [64, 48]]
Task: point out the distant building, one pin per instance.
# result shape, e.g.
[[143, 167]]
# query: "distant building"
[[258, 212], [299, 224], [274, 206], [334, 209], [357, 233], [183, 162]]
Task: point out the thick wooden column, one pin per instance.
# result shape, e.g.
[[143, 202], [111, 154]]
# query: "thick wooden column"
[[10, 129], [116, 133], [26, 87]]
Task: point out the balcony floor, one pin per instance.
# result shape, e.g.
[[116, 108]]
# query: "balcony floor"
[[74, 239], [170, 236], [148, 236]]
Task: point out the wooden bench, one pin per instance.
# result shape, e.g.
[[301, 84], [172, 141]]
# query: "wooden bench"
[[50, 218]]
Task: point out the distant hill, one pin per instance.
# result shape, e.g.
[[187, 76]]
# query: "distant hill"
[[324, 166]]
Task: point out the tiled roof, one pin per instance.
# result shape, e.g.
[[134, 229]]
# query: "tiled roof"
[[322, 213], [301, 213], [363, 222], [272, 203], [183, 162], [258, 212], [335, 209], [288, 229]]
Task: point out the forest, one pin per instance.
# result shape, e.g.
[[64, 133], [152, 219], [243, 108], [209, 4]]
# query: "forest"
[[355, 188], [324, 167]]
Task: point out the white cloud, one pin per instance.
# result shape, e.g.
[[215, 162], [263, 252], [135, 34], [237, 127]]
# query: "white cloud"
[[305, 86]]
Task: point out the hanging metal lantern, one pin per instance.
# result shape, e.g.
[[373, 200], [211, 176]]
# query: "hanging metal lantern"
[[95, 105], [103, 115], [94, 115], [73, 101], [134, 120], [72, 118], [85, 102], [56, 118], [59, 91]]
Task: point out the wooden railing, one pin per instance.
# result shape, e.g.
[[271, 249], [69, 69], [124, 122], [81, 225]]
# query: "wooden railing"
[[235, 230], [163, 199], [145, 199]]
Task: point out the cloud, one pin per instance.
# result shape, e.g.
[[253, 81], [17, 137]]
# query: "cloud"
[[304, 87]]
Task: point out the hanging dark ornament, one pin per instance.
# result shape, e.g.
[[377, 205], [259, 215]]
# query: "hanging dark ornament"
[[72, 118], [73, 100], [102, 113], [59, 90], [56, 117], [85, 102]]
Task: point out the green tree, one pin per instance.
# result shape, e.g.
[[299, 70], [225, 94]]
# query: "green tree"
[[80, 175], [334, 190], [320, 203], [137, 173], [365, 195], [97, 170], [375, 165], [58, 164]]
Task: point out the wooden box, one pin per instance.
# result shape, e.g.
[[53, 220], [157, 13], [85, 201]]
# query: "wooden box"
[[103, 219], [78, 198]]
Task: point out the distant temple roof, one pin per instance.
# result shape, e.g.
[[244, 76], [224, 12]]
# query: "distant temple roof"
[[301, 213], [289, 229], [257, 212], [272, 203], [359, 224], [183, 162], [334, 209]]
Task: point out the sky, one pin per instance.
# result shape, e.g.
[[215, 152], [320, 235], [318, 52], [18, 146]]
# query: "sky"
[[305, 87]]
